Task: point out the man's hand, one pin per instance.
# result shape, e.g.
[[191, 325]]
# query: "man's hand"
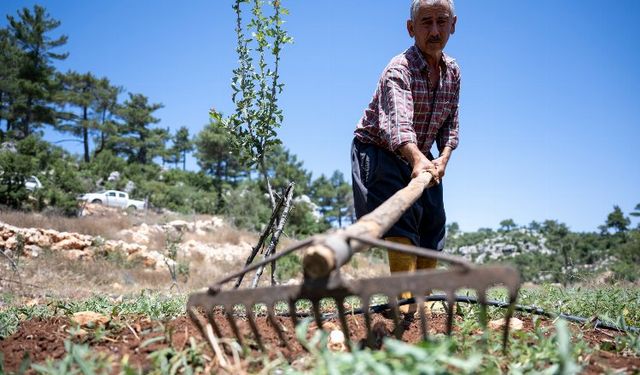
[[419, 162], [441, 166], [442, 161]]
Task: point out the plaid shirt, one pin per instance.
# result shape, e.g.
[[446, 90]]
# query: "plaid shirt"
[[403, 109]]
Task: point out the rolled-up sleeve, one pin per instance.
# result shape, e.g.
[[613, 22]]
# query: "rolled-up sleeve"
[[448, 133], [396, 109]]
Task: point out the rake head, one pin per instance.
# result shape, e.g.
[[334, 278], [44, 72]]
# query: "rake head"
[[261, 318]]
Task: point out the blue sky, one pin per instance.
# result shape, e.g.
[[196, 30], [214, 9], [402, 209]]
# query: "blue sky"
[[550, 116]]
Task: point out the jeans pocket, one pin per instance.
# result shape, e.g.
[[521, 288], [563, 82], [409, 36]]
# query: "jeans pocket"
[[368, 164]]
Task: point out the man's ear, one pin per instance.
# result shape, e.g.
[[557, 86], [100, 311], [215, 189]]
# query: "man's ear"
[[410, 28], [453, 24]]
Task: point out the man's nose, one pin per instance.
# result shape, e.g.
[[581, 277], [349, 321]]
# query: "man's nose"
[[433, 29]]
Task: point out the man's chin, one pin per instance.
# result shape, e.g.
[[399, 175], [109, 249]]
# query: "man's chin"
[[432, 50]]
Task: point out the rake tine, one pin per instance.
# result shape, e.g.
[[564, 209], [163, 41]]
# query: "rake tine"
[[316, 313], [343, 321], [208, 334], [212, 322], [195, 317], [395, 313], [293, 313], [482, 301], [228, 311], [450, 306], [510, 310], [276, 327], [419, 298], [367, 321], [254, 328]]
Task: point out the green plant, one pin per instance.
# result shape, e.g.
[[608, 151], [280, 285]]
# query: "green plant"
[[169, 361], [78, 360], [288, 267], [176, 265], [256, 85]]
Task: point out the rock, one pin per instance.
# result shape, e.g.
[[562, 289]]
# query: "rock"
[[40, 239], [32, 250], [32, 302], [129, 187], [89, 318], [152, 259], [123, 247], [336, 341], [114, 176], [606, 277], [179, 225], [11, 243], [515, 324], [91, 209], [8, 147], [71, 243], [76, 255]]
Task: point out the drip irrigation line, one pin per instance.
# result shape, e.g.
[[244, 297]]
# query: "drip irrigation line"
[[596, 322]]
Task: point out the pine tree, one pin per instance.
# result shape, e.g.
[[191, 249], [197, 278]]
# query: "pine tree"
[[617, 221], [283, 167], [134, 138], [182, 144], [105, 107], [35, 106], [636, 211], [508, 225], [215, 156], [79, 92], [10, 57], [324, 195], [342, 199]]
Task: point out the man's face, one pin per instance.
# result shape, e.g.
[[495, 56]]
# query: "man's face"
[[431, 28]]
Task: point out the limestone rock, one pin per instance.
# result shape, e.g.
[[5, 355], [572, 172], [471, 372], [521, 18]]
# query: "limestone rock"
[[515, 324], [89, 318], [336, 341], [71, 243], [76, 255]]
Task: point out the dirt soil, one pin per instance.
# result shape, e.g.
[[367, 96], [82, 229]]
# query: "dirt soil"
[[44, 339]]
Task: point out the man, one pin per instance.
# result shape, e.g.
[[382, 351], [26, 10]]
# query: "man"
[[414, 106]]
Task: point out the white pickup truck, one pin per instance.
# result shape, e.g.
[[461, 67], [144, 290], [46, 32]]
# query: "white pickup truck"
[[113, 198]]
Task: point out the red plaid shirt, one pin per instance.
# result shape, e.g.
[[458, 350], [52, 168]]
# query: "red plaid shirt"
[[403, 109]]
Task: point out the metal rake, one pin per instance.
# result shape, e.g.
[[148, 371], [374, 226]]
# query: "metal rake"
[[242, 313]]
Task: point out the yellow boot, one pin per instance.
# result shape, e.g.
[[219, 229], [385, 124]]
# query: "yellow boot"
[[401, 262], [422, 264]]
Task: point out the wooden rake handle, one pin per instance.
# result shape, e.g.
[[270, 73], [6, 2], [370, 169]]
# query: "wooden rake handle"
[[333, 251]]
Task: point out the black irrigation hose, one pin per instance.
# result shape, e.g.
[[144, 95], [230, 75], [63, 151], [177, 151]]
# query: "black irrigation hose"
[[597, 323]]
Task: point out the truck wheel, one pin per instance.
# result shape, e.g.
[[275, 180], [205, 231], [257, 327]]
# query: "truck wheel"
[[96, 201], [132, 208]]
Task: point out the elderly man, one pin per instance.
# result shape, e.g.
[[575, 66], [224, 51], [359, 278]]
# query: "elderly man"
[[415, 104]]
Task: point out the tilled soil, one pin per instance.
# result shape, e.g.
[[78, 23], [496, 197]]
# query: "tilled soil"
[[44, 339]]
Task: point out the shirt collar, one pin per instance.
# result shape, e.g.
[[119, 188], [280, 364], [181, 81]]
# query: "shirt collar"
[[421, 61]]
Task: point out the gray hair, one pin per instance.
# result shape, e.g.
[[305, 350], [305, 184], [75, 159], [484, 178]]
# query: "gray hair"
[[415, 5]]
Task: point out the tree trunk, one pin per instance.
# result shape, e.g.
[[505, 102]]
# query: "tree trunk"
[[85, 134], [263, 169], [282, 220]]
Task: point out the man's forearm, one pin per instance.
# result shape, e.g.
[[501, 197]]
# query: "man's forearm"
[[411, 153], [418, 160], [445, 154]]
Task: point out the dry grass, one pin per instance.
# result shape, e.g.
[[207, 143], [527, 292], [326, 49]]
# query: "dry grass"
[[105, 226], [227, 234], [53, 275]]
